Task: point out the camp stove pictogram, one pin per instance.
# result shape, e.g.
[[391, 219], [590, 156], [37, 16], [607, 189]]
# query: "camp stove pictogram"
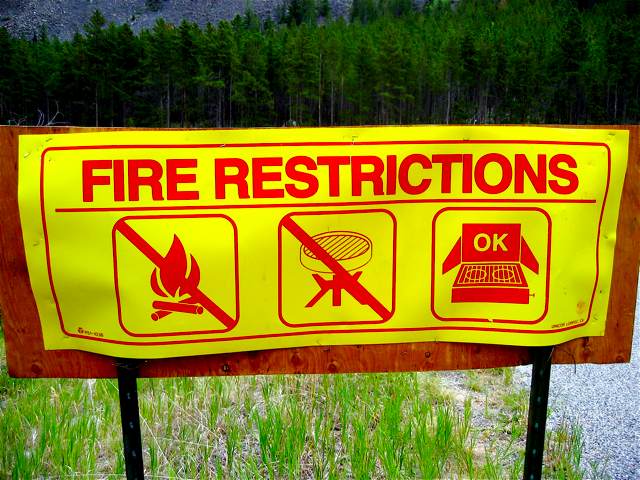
[[352, 250], [491, 257]]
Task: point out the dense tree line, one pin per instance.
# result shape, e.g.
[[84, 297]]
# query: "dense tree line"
[[479, 61]]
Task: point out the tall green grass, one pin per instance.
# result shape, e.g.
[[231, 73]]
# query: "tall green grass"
[[406, 425]]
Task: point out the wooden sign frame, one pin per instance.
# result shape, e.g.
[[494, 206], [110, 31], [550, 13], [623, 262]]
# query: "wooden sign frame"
[[26, 356]]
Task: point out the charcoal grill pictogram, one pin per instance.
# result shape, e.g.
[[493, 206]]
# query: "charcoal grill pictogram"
[[336, 268], [352, 250]]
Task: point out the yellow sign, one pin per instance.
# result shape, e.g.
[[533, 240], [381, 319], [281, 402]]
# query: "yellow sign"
[[170, 243]]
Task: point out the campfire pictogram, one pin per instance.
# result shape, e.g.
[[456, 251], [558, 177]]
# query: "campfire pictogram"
[[176, 279]]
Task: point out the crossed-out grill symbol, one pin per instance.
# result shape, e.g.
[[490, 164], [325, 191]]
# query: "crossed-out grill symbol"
[[352, 250]]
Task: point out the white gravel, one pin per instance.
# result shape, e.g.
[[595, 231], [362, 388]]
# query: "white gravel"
[[605, 401]]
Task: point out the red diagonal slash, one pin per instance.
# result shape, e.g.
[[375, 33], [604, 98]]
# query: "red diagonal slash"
[[349, 281], [157, 259]]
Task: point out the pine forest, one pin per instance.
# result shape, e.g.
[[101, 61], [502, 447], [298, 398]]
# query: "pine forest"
[[390, 62]]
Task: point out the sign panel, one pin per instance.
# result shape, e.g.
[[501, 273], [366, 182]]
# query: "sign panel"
[[163, 244]]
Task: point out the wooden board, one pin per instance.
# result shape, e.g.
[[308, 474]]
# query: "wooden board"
[[26, 356]]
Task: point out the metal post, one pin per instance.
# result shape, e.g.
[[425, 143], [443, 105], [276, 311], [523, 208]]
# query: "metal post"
[[130, 416], [538, 401]]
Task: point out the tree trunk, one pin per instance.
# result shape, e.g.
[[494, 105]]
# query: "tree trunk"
[[320, 90], [332, 104], [341, 112], [184, 107], [219, 111], [96, 93], [448, 115], [111, 108], [168, 102], [230, 103]]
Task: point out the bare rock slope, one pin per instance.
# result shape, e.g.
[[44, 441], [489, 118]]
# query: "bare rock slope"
[[62, 18]]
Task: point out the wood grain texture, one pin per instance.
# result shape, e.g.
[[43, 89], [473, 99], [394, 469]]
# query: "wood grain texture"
[[26, 356]]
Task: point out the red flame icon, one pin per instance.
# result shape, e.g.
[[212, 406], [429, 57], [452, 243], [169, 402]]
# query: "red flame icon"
[[179, 276]]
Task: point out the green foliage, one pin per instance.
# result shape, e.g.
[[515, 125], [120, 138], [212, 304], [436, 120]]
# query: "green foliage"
[[296, 12], [324, 8], [564, 451], [520, 61]]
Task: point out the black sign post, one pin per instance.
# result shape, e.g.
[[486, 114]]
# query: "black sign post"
[[537, 423], [130, 415]]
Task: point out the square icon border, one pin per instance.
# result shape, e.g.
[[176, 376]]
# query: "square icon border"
[[393, 268], [479, 319], [236, 318]]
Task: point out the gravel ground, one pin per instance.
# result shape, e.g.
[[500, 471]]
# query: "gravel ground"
[[605, 401]]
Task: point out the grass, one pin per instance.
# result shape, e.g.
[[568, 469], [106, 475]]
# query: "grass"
[[410, 425]]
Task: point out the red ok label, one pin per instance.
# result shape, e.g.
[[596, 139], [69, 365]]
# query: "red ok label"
[[486, 242]]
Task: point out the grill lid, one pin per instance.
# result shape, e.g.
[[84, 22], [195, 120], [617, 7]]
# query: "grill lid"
[[353, 250]]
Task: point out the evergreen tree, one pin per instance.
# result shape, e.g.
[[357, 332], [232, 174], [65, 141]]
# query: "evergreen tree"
[[97, 50], [252, 96], [187, 70], [160, 65], [6, 73], [323, 8], [302, 11], [364, 10]]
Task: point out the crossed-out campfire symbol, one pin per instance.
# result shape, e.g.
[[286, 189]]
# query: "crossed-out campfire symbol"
[[351, 249], [175, 278]]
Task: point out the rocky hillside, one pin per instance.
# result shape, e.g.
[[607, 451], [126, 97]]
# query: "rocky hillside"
[[63, 18]]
